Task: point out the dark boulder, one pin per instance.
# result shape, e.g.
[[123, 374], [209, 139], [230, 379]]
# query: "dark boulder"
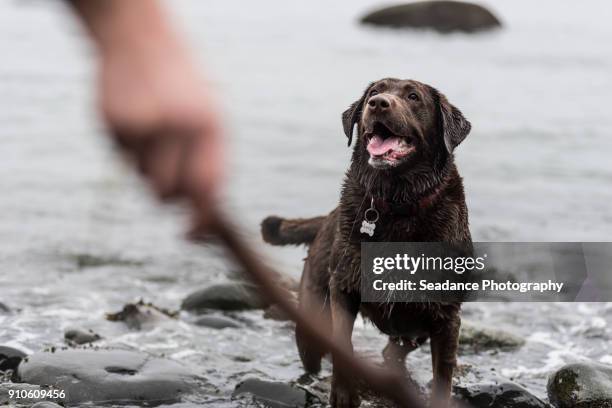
[[442, 16], [75, 336], [233, 295], [6, 400], [217, 322], [271, 394], [286, 281], [84, 261], [10, 358], [475, 338], [141, 315], [581, 385], [111, 376], [318, 389], [498, 395], [4, 308], [46, 404]]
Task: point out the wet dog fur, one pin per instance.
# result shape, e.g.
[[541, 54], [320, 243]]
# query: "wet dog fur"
[[422, 199]]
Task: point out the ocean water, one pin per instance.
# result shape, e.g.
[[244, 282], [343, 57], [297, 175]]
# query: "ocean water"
[[536, 168]]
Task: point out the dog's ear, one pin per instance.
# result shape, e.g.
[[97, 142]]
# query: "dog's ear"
[[353, 114], [455, 127]]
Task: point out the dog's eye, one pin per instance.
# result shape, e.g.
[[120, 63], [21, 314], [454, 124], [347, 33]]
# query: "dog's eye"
[[373, 92], [413, 97]]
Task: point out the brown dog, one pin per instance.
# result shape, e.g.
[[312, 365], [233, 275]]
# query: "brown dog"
[[403, 163]]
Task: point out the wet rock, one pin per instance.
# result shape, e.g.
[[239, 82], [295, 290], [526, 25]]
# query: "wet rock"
[[10, 358], [84, 261], [286, 281], [111, 376], [6, 400], [79, 336], [217, 322], [141, 315], [318, 389], [46, 404], [442, 16], [233, 295], [475, 338], [497, 395], [271, 394], [581, 385]]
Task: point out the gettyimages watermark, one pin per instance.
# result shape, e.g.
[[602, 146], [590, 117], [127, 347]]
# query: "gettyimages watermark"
[[486, 271]]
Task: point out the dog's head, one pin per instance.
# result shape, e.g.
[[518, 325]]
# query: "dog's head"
[[403, 123]]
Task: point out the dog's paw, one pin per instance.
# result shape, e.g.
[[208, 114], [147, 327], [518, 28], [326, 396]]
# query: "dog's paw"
[[343, 396]]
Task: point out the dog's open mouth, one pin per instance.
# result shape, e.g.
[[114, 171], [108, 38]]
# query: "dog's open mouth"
[[385, 147]]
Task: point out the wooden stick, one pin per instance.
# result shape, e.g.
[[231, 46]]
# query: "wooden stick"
[[387, 383]]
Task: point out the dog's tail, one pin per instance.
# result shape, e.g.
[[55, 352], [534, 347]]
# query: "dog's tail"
[[279, 231]]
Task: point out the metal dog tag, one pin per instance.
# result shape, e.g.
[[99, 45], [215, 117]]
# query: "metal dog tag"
[[369, 220], [367, 228]]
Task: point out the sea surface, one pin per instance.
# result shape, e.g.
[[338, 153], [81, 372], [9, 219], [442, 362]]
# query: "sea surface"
[[536, 166]]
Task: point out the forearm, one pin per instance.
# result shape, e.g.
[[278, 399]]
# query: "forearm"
[[126, 24]]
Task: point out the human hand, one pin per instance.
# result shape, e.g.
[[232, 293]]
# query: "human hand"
[[159, 111], [155, 102]]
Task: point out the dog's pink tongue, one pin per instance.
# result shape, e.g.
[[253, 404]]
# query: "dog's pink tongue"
[[377, 146]]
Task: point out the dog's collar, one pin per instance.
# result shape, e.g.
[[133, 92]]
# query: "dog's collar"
[[406, 208]]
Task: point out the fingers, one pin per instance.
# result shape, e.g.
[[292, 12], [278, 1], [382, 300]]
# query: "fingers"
[[162, 162], [202, 179], [158, 155], [180, 163]]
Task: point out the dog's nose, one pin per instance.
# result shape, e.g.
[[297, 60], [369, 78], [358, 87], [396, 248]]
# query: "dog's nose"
[[379, 103]]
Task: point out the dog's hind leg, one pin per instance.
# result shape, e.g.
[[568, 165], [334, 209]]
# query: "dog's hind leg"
[[310, 353], [444, 342], [313, 300]]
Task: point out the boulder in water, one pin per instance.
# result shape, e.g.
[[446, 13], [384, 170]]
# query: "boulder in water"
[[141, 315], [8, 388], [581, 385], [46, 404], [232, 295], [440, 15], [111, 376], [217, 322], [10, 358], [271, 394], [76, 336], [475, 338], [498, 395]]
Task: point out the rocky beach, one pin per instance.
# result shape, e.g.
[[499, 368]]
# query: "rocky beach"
[[102, 297]]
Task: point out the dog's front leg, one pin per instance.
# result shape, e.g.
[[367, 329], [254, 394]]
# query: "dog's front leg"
[[444, 343], [344, 309]]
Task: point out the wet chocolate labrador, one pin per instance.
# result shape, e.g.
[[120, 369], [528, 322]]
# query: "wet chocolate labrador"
[[402, 163]]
